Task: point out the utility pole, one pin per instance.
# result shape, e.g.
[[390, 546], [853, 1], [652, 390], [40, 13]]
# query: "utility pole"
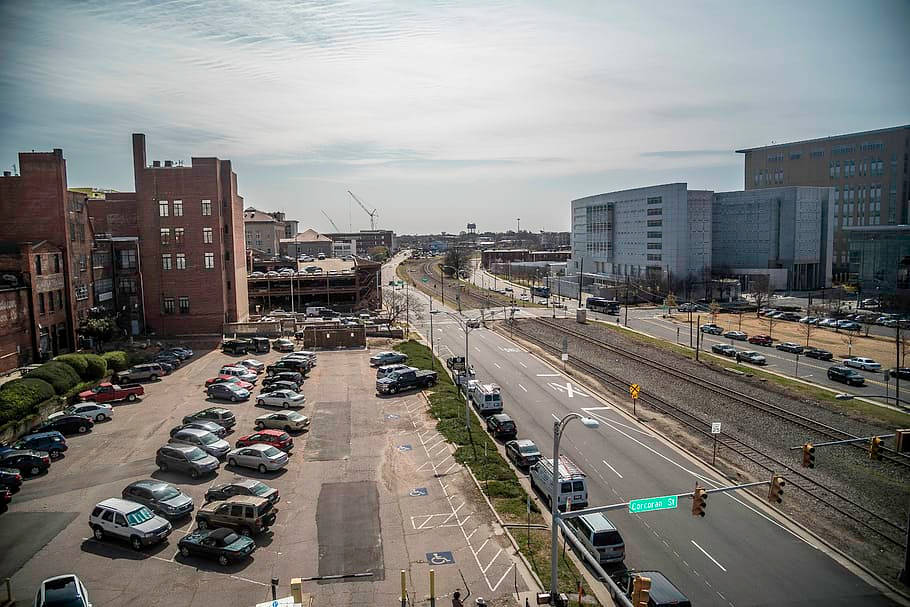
[[627, 300], [581, 280], [697, 337], [897, 365]]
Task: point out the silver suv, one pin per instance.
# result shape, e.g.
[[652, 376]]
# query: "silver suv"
[[186, 459], [125, 520], [207, 441], [145, 371]]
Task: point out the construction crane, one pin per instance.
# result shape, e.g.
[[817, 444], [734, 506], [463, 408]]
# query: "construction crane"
[[373, 214], [330, 220]]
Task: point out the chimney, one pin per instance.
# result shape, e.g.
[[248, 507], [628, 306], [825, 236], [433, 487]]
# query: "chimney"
[[156, 163], [168, 163], [139, 159], [6, 173]]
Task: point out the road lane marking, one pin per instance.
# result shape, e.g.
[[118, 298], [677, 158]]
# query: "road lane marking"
[[497, 365], [595, 408], [522, 364], [476, 348], [709, 556], [522, 387], [611, 468], [549, 375], [568, 388]]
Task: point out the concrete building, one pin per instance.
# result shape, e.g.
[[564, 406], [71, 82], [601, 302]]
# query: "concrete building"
[[650, 233], [868, 171], [309, 242], [880, 262], [367, 239], [344, 248], [344, 286], [262, 231]]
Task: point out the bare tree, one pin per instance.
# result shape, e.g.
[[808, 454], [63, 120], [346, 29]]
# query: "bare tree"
[[905, 341], [761, 291], [807, 329], [771, 323], [670, 302], [714, 308], [397, 304], [459, 259], [847, 339]]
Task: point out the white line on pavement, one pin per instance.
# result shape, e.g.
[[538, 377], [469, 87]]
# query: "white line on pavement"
[[611, 468], [476, 348], [497, 365], [522, 387], [522, 364], [549, 375], [709, 556]]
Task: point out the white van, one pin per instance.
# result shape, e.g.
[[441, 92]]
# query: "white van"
[[573, 484], [487, 398], [600, 537]]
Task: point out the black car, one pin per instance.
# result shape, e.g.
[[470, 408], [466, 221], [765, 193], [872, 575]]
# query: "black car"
[[291, 364], [28, 463], [846, 376], [501, 426], [280, 385], [900, 372], [789, 346], [66, 424], [244, 486], [171, 359], [818, 353], [222, 544], [166, 365], [286, 376], [11, 479], [523, 452], [212, 427], [724, 349]]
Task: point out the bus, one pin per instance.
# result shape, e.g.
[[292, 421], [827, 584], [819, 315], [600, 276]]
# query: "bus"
[[540, 292], [600, 304]]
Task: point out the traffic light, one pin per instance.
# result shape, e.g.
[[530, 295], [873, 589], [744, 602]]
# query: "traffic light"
[[641, 590], [699, 502], [808, 456], [875, 446], [776, 491], [902, 441]]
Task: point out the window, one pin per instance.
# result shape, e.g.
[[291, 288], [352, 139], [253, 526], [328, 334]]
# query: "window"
[[209, 261], [162, 208], [655, 212], [181, 261], [817, 154], [128, 259], [50, 301], [795, 155], [38, 265], [168, 305], [165, 236], [166, 262], [653, 257], [655, 245], [207, 235], [227, 255], [178, 208], [654, 223], [184, 305], [178, 236], [655, 200], [41, 303], [655, 235], [81, 292], [128, 286], [83, 263], [72, 232], [56, 263], [206, 207]]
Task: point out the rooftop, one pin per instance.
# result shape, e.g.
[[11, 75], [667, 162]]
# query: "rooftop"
[[308, 236], [257, 215], [824, 139]]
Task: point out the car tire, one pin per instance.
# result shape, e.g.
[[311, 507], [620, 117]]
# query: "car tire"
[[223, 560], [194, 474], [34, 471], [233, 398], [55, 454], [98, 532], [232, 462], [287, 429], [246, 532], [285, 405], [262, 469], [100, 417], [202, 523], [136, 543], [162, 466], [131, 397], [82, 429], [184, 551], [153, 378], [260, 402]]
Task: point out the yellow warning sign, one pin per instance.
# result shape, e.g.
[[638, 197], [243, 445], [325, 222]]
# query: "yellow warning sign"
[[634, 390]]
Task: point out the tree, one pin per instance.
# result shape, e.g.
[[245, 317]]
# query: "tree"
[[396, 304], [459, 259], [806, 329], [378, 253], [847, 339], [99, 329], [904, 342], [714, 308], [670, 301], [771, 323], [761, 291]]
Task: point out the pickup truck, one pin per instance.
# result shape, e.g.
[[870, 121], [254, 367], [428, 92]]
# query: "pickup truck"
[[455, 363], [108, 393], [404, 380]]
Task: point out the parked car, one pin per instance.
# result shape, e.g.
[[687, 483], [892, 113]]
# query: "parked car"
[[97, 412], [405, 380], [818, 353], [263, 458], [280, 385], [168, 367], [600, 537], [186, 459], [228, 379], [900, 372], [712, 329], [51, 443], [289, 421], [385, 370], [10, 478], [223, 545], [242, 486], [751, 356], [229, 392], [827, 322], [724, 349], [247, 514], [283, 345], [849, 325], [289, 364], [523, 452], [108, 393], [387, 358], [789, 346], [846, 376], [143, 372], [171, 359], [66, 424], [217, 430], [182, 352], [687, 307], [281, 398], [125, 520], [162, 498], [860, 362], [256, 366], [208, 442], [761, 340], [809, 320], [284, 376], [28, 463], [236, 347], [737, 335], [791, 316], [241, 372], [62, 591], [501, 425], [275, 438]]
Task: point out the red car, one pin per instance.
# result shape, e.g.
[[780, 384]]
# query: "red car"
[[6, 496], [275, 438], [229, 379], [761, 340]]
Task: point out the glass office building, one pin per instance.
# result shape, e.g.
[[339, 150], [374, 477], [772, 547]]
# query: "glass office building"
[[880, 261]]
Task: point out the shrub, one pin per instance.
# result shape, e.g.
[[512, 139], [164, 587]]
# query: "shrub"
[[21, 397], [76, 361], [137, 357], [60, 375], [96, 367], [116, 360]]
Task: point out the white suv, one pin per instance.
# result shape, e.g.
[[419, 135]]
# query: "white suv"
[[125, 520]]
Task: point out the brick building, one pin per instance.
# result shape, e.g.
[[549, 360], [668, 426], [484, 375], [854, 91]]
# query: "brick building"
[[309, 242], [16, 336], [368, 239]]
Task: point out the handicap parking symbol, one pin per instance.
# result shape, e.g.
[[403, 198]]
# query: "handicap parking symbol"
[[440, 558], [418, 492], [392, 416], [404, 448]]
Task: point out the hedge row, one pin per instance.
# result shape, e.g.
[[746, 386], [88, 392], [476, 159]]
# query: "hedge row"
[[21, 397], [60, 375], [89, 366], [116, 360]]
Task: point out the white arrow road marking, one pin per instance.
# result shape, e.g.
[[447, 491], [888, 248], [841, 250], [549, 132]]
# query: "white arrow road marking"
[[568, 389], [709, 556]]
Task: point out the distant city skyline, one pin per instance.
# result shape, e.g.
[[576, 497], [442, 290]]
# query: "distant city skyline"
[[440, 114]]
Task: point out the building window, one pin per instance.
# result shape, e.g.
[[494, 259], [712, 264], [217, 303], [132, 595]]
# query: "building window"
[[168, 305], [655, 211], [206, 207], [181, 261], [162, 208], [655, 235], [165, 236], [655, 223], [817, 154], [209, 261], [50, 301], [184, 305], [81, 292], [166, 262], [37, 265], [795, 155], [127, 286], [41, 303], [227, 255], [128, 259], [207, 235], [83, 263], [655, 245], [652, 257], [178, 208], [655, 200], [178, 236], [56, 264]]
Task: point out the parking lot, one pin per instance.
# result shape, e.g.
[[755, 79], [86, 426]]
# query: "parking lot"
[[370, 490]]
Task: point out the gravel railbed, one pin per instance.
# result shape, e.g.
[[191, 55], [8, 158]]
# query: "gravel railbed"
[[882, 487]]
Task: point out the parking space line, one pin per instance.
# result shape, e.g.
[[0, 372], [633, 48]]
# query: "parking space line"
[[493, 561]]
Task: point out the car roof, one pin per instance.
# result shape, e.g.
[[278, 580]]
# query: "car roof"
[[503, 417], [251, 500], [193, 431], [117, 503], [221, 533], [270, 432], [524, 442], [149, 483], [599, 522], [257, 446], [179, 447]]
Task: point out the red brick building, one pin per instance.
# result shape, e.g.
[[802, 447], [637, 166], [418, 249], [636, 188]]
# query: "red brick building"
[[16, 336]]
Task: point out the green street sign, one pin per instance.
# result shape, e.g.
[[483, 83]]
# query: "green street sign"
[[649, 504], [424, 279]]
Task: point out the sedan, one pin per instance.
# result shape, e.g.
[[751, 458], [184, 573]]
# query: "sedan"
[[818, 353], [848, 325], [712, 329], [737, 335], [97, 412], [244, 486], [275, 438], [847, 376], [523, 452], [827, 322], [66, 424], [387, 358], [228, 392], [761, 340], [223, 545], [62, 591], [281, 398], [162, 498], [687, 307], [257, 366], [294, 377], [229, 379], [283, 345], [239, 371], [809, 320], [280, 385], [866, 364], [751, 356], [287, 421], [208, 442], [900, 372], [259, 457], [789, 346], [212, 427], [28, 463], [11, 479], [724, 349]]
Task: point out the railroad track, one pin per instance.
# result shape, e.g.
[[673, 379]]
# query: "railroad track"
[[469, 299], [889, 530]]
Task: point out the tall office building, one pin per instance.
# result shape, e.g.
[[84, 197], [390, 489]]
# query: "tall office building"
[[868, 171]]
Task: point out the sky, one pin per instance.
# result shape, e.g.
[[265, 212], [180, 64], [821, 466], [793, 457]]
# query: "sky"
[[443, 113]]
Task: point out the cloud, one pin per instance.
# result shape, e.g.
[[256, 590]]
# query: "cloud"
[[685, 153]]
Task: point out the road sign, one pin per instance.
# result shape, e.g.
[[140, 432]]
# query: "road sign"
[[649, 504], [424, 279], [715, 427], [440, 558], [565, 357], [634, 390]]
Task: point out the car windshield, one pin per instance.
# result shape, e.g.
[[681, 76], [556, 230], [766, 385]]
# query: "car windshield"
[[296, 417], [230, 539], [167, 492], [195, 454], [208, 438], [529, 450], [271, 452], [137, 517], [62, 593], [259, 489]]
